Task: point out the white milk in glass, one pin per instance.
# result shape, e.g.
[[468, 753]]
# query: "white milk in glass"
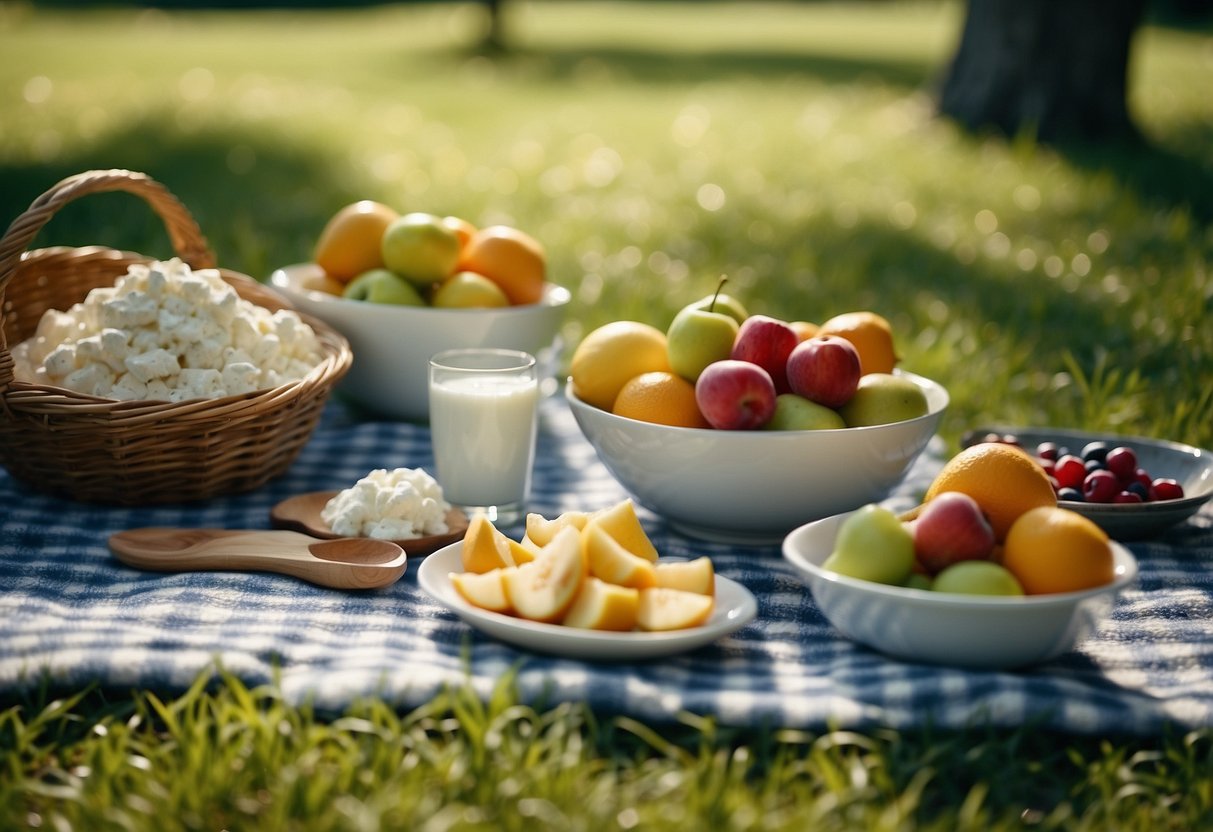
[[483, 431]]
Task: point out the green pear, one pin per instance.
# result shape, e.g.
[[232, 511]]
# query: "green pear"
[[977, 577], [697, 338], [874, 545], [420, 248], [383, 286], [720, 302], [883, 398], [917, 580], [793, 412], [468, 290]]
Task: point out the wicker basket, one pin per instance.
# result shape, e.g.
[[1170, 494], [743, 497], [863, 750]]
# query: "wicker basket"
[[139, 452]]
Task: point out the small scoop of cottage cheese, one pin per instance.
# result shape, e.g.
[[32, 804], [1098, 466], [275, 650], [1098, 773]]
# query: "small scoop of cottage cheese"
[[401, 504]]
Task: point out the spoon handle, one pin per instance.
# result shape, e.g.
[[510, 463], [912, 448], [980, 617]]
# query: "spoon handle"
[[169, 549], [229, 550]]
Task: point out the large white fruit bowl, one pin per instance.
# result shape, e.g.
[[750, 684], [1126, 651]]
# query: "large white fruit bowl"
[[756, 486], [392, 345], [970, 631]]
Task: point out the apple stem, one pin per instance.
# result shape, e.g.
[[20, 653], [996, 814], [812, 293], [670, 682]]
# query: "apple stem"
[[719, 286]]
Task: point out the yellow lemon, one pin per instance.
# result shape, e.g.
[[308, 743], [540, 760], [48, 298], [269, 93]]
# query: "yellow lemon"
[[613, 354]]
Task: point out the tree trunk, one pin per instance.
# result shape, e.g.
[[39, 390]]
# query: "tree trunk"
[[1055, 67], [494, 34]]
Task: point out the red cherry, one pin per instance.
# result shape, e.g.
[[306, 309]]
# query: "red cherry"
[[1070, 471], [1100, 487], [1122, 462], [1127, 497], [1165, 488]]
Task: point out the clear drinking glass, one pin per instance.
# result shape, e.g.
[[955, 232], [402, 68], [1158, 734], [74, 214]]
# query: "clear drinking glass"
[[483, 420]]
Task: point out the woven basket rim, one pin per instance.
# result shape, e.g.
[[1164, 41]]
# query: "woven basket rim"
[[336, 355]]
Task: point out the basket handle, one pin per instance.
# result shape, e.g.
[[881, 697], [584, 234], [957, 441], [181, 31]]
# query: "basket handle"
[[183, 231]]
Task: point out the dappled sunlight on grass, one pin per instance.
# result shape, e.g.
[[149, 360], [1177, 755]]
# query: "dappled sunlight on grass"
[[794, 150]]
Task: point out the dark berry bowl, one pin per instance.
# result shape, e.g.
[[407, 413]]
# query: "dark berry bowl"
[[1190, 468]]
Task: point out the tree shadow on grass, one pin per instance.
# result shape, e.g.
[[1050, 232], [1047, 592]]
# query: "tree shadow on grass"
[[257, 199], [653, 66], [1177, 174]]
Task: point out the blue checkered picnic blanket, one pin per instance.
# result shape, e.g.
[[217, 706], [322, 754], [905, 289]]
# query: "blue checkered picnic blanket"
[[71, 614]]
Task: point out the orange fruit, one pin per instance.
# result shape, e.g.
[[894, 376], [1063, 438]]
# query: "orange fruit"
[[512, 259], [662, 398], [1004, 481], [348, 244], [612, 354], [463, 229], [871, 335], [1052, 549], [804, 329]]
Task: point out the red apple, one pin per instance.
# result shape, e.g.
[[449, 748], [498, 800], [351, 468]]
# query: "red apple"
[[824, 369], [735, 395], [767, 342], [950, 528]]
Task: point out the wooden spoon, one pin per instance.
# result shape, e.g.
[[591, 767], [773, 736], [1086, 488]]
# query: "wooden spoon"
[[301, 513], [344, 563]]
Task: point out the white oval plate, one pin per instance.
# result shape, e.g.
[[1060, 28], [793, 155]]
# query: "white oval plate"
[[735, 607]]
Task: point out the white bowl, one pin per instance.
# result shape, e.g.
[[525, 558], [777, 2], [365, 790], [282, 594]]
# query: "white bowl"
[[756, 486], [939, 628], [392, 345]]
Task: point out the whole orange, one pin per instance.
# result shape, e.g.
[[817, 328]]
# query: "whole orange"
[[348, 244], [662, 398], [512, 259], [1052, 549], [1004, 481]]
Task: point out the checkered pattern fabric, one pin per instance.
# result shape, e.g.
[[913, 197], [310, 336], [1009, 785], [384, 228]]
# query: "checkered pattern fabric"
[[73, 615]]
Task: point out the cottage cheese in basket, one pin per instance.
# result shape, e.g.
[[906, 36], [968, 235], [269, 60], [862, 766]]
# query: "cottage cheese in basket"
[[167, 333], [400, 504]]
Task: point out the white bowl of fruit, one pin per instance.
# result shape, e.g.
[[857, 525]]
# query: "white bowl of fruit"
[[702, 425], [975, 616], [402, 288], [1133, 487]]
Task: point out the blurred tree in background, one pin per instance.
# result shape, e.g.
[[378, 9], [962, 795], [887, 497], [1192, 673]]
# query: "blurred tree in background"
[[1056, 67]]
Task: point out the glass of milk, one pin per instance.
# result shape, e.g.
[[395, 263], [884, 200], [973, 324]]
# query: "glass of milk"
[[483, 419]]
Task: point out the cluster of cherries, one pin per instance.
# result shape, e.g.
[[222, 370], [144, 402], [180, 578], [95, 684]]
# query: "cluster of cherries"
[[1099, 473]]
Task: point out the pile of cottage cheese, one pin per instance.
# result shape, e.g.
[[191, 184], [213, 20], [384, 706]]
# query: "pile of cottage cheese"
[[164, 332], [401, 504]]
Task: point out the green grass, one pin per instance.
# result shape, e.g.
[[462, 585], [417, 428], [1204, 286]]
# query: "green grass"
[[238, 758], [790, 146]]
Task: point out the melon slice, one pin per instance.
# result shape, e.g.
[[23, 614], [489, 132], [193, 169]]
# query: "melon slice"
[[603, 606], [662, 608], [544, 589]]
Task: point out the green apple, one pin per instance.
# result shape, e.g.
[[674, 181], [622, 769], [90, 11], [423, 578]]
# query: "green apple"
[[468, 290], [697, 338], [421, 248], [977, 577], [874, 545], [383, 286], [794, 412], [882, 398], [720, 302]]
